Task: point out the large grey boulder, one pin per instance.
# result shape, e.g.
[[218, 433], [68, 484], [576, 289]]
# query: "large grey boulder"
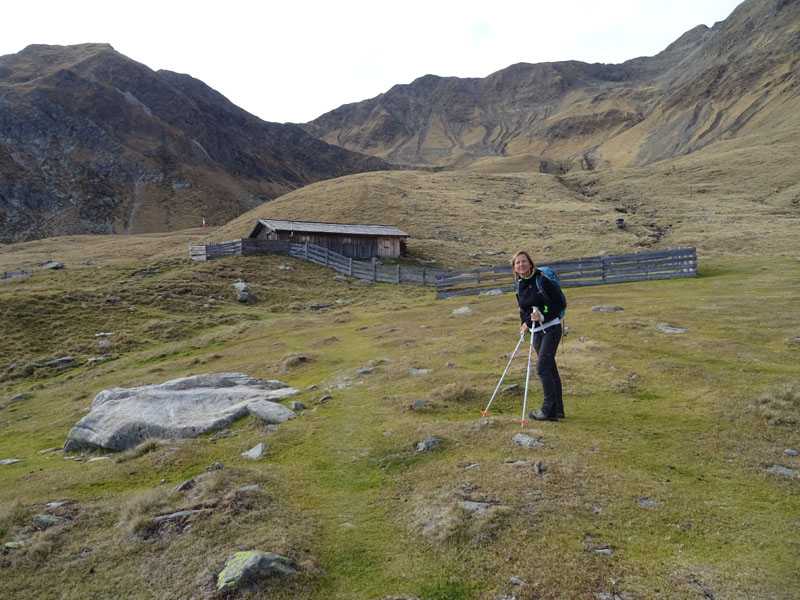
[[248, 568], [121, 418]]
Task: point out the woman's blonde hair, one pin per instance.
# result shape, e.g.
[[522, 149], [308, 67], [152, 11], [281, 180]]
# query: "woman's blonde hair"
[[514, 259]]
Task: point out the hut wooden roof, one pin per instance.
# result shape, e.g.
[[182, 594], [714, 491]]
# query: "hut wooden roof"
[[344, 229]]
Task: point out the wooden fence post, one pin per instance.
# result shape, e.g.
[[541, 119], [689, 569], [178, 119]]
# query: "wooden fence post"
[[374, 269], [350, 266], [306, 251], [398, 273]]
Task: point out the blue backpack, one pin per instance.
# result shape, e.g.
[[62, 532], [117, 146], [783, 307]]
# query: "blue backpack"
[[551, 275]]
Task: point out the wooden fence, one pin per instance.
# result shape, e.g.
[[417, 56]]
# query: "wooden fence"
[[12, 274], [598, 270]]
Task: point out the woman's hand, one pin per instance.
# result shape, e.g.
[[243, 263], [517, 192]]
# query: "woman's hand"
[[524, 329]]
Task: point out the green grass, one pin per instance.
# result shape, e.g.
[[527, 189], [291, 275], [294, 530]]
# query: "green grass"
[[662, 459]]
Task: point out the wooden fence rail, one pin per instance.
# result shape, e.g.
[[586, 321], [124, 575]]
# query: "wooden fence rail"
[[596, 270]]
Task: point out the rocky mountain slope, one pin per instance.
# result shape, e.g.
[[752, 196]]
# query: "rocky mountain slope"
[[94, 142], [736, 78]]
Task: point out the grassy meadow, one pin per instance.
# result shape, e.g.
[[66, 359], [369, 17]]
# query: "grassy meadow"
[[656, 485]]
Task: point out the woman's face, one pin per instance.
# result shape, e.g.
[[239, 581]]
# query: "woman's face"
[[522, 265]]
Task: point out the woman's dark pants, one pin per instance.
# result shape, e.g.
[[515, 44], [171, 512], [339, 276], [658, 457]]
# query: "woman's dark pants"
[[545, 343]]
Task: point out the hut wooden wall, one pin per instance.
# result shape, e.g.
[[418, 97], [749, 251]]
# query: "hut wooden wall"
[[352, 246]]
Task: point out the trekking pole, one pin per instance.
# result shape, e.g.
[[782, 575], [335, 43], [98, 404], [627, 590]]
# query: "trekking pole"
[[528, 375], [513, 354]]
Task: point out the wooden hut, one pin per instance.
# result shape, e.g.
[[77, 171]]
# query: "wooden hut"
[[352, 241]]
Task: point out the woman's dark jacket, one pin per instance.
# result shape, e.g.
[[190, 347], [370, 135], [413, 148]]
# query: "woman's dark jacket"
[[528, 296]]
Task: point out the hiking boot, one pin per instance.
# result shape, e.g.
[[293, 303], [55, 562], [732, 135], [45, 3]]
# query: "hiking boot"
[[561, 415], [538, 415]]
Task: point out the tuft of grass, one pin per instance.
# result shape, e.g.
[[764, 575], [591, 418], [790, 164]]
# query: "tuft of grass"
[[781, 406], [456, 391]]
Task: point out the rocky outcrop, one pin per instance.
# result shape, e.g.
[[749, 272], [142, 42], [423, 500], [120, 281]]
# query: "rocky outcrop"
[[121, 418]]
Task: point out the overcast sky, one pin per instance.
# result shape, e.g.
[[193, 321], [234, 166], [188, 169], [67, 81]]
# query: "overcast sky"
[[293, 60]]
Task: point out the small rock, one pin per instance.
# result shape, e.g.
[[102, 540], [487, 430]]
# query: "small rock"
[[365, 370], [61, 362], [246, 568], [176, 516], [491, 293], [539, 468], [251, 488], [46, 521], [339, 279], [418, 371], [96, 458], [428, 444], [221, 434], [245, 298], [215, 466], [671, 329], [510, 388], [241, 286], [606, 308], [526, 441], [462, 311], [255, 452], [790, 452], [52, 264], [14, 545], [417, 404], [516, 581], [294, 405], [10, 461], [646, 503], [319, 305], [782, 471]]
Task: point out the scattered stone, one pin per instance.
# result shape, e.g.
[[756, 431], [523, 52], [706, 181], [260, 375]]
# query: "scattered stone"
[[285, 268], [104, 343], [96, 458], [495, 292], [418, 371], [604, 551], [103, 334], [782, 471], [113, 300], [294, 405], [271, 412], [176, 516], [671, 329], [428, 444], [246, 568], [56, 504], [319, 305], [215, 466], [364, 282], [472, 466], [10, 461], [790, 452], [365, 370], [98, 359], [14, 545], [251, 488], [462, 311], [245, 298], [186, 485], [121, 418], [20, 396], [52, 264], [539, 468], [526, 441], [46, 450], [325, 399], [517, 581], [510, 388], [255, 452], [340, 279], [61, 362], [606, 308], [646, 503], [221, 434], [241, 286], [417, 404], [46, 521]]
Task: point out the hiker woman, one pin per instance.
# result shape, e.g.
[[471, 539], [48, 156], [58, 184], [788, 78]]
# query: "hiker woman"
[[540, 304]]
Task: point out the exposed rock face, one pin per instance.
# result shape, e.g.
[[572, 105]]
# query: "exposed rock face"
[[93, 142], [247, 568], [121, 418], [710, 84]]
